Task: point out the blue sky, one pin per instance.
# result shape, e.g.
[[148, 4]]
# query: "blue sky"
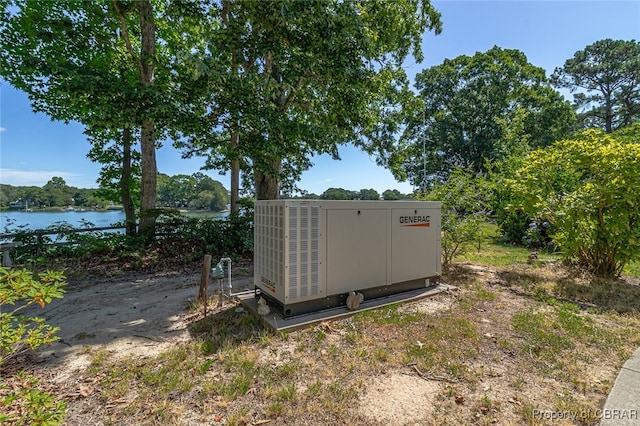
[[34, 149]]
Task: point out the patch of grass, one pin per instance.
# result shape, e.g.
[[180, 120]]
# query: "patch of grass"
[[497, 255], [544, 336], [483, 293], [237, 385], [274, 409], [239, 365], [487, 410], [98, 359], [390, 315], [239, 418], [607, 295], [444, 346], [526, 411], [632, 268], [507, 327], [566, 402], [283, 372], [288, 393], [226, 328], [337, 397], [492, 252], [171, 372]]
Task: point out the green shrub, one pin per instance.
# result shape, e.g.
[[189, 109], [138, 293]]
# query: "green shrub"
[[176, 235], [19, 288], [464, 209], [587, 189], [24, 402], [229, 237]]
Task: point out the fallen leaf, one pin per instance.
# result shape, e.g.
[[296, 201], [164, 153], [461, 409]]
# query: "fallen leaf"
[[85, 391], [217, 417], [459, 399]]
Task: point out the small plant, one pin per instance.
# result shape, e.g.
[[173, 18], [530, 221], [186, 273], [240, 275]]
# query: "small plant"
[[23, 400], [464, 199], [537, 235], [25, 403], [18, 289]]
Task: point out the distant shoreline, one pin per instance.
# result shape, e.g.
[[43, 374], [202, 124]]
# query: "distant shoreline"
[[91, 209], [58, 209]]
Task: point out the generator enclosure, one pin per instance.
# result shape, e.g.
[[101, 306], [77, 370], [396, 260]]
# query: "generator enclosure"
[[310, 254]]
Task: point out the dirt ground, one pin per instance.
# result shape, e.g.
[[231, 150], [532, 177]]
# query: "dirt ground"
[[129, 315], [142, 315]]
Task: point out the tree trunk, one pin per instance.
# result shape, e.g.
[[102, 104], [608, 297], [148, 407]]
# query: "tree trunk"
[[148, 189], [608, 114], [148, 184], [235, 176], [235, 137], [268, 184], [146, 69], [125, 188]]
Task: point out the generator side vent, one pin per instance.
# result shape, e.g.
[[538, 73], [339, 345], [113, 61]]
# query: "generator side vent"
[[269, 233], [304, 251]]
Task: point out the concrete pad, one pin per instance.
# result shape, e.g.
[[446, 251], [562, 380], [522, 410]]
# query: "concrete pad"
[[622, 407], [633, 363], [276, 322]]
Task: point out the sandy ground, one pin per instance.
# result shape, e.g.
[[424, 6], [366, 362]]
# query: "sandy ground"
[[133, 315], [140, 316], [143, 315]]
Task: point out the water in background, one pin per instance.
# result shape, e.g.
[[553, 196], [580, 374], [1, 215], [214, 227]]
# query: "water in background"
[[12, 220]]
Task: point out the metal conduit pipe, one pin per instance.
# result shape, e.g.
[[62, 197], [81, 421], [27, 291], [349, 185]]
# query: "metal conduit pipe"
[[229, 292], [228, 260]]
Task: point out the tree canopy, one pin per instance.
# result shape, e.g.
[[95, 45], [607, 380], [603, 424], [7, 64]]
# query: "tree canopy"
[[197, 191], [474, 109], [284, 80], [55, 193], [607, 75], [105, 65]]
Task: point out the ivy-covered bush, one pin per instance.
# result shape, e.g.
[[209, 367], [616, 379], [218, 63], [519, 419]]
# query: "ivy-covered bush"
[[228, 237]]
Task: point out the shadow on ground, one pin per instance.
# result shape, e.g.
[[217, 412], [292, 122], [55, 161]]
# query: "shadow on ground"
[[229, 327], [619, 295]]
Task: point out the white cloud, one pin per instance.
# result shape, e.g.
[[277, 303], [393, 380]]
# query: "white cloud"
[[34, 178], [3, 129], [328, 180]]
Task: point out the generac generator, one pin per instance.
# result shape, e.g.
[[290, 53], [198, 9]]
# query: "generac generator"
[[309, 255]]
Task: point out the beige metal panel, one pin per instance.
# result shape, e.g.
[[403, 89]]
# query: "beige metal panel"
[[415, 242], [269, 250], [356, 249], [303, 249]]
